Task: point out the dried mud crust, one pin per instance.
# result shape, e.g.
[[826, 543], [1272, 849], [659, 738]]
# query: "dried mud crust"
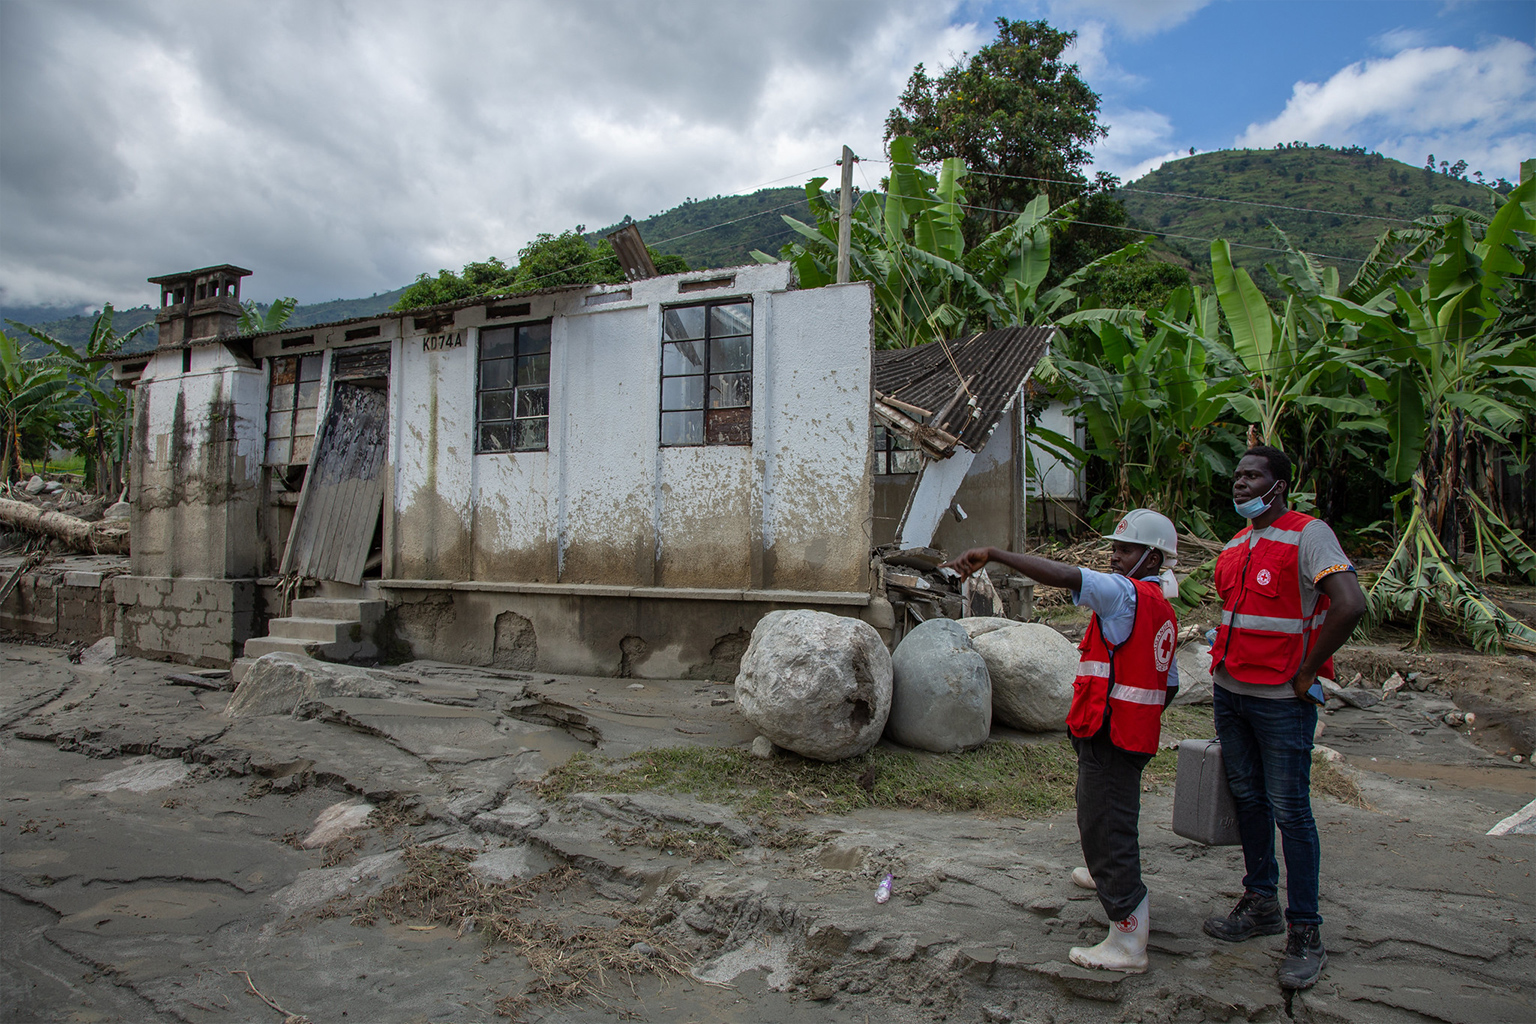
[[1500, 689]]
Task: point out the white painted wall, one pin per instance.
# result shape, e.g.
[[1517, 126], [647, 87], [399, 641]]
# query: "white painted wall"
[[1054, 478], [606, 504]]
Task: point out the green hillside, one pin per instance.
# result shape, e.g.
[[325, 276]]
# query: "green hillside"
[[1340, 200], [744, 223]]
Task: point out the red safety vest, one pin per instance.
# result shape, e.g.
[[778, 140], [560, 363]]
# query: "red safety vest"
[[1263, 635], [1131, 679]]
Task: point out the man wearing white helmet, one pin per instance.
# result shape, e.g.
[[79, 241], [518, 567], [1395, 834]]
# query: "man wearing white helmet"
[[1126, 676]]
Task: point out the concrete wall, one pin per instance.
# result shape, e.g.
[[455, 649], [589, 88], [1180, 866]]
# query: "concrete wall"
[[189, 620], [72, 606], [606, 505], [196, 463]]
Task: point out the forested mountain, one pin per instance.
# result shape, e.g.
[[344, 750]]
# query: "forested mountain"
[[723, 231], [1330, 202]]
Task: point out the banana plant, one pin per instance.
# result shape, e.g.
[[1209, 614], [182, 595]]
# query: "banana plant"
[[29, 390], [92, 421], [254, 321]]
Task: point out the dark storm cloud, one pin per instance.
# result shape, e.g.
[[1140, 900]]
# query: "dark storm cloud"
[[341, 148]]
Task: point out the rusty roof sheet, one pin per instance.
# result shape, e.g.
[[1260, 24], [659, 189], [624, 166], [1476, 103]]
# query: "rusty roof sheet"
[[995, 363]]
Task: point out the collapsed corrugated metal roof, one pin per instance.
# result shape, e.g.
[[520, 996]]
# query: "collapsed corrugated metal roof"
[[992, 365]]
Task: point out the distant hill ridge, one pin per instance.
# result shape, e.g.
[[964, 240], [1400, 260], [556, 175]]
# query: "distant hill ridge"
[[1341, 200], [1340, 195]]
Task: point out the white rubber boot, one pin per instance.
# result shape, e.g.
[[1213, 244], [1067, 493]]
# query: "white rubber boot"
[[1082, 879], [1125, 949]]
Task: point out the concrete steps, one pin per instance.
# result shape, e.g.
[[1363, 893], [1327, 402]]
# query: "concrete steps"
[[326, 628]]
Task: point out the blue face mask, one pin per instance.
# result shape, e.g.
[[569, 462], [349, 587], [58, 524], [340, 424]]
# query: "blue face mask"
[[1255, 507]]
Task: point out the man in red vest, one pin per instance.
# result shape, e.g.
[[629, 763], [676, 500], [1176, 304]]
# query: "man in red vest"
[[1289, 600], [1125, 677]]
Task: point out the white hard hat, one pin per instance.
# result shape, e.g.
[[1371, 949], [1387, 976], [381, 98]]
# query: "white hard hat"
[[1149, 528]]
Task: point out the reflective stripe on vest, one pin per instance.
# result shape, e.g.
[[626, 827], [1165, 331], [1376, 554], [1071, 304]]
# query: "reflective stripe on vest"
[[1130, 680], [1263, 634]]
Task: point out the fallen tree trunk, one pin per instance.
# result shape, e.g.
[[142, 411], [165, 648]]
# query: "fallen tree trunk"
[[108, 537]]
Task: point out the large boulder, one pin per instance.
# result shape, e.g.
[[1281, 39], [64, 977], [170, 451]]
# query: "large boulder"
[[1194, 661], [816, 683], [280, 684], [1032, 667], [942, 696]]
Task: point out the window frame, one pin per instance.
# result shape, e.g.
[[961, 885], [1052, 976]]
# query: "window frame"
[[515, 389], [291, 414], [894, 443], [743, 435]]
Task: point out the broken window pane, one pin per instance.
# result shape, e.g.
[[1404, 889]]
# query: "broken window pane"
[[285, 371], [534, 338], [496, 373], [728, 354], [682, 393], [904, 462], [495, 437], [301, 449], [682, 428], [685, 357], [496, 342], [730, 390], [729, 426], [533, 369], [532, 435], [303, 422], [532, 402], [733, 319], [495, 405], [687, 322]]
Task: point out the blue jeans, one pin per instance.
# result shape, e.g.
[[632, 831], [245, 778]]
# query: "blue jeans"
[[1267, 748]]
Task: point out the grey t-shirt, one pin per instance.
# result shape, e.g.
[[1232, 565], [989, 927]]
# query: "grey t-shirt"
[[1318, 554]]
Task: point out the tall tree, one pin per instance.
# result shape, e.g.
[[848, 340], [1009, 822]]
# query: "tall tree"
[[1022, 121]]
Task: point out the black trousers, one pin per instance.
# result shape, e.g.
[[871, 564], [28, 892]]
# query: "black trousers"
[[1108, 815]]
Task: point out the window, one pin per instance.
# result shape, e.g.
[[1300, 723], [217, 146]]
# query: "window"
[[514, 388], [291, 406], [893, 453], [706, 374]]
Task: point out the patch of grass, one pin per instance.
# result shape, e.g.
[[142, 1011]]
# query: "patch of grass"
[[1190, 721], [1330, 779], [999, 778]]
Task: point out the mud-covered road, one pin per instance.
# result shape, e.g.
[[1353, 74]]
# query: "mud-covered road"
[[151, 847]]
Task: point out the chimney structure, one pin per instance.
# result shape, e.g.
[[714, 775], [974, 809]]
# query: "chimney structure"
[[199, 305]]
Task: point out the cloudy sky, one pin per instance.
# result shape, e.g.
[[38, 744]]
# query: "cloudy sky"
[[340, 147]]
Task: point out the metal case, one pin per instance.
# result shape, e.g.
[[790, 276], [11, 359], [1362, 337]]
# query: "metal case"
[[1203, 808]]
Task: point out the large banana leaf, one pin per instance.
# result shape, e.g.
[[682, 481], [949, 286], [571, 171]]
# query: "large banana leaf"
[[1248, 315]]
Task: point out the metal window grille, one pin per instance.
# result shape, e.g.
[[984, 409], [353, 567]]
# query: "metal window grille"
[[513, 392], [706, 374]]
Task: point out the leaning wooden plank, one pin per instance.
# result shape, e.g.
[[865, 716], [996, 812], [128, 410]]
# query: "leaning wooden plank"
[[10, 584], [108, 537]]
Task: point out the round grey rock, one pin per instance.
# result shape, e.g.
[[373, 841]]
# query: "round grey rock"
[[816, 683], [1032, 668], [762, 747], [941, 693], [280, 684], [35, 485], [118, 510]]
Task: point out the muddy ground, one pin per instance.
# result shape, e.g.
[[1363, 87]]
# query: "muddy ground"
[[150, 847]]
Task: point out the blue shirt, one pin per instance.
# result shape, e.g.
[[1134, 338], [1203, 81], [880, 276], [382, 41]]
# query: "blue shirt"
[[1112, 598]]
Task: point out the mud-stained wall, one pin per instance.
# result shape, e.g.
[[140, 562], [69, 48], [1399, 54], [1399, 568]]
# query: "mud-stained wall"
[[644, 638], [814, 449], [605, 443], [992, 496], [196, 465], [606, 505]]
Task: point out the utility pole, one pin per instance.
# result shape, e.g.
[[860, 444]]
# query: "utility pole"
[[845, 217]]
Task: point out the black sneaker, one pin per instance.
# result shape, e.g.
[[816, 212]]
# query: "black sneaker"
[[1304, 957], [1253, 915]]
